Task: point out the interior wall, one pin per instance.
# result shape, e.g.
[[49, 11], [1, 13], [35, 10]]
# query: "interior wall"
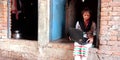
[[70, 15]]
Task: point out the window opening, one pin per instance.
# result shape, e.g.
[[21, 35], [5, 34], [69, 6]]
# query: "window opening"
[[24, 19]]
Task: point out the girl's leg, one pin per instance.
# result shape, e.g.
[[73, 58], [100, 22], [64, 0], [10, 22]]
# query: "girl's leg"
[[77, 58], [86, 51], [76, 51]]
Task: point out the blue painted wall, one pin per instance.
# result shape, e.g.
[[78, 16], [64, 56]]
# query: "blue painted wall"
[[57, 16]]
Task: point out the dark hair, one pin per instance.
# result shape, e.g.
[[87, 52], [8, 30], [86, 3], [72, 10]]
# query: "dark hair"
[[86, 9]]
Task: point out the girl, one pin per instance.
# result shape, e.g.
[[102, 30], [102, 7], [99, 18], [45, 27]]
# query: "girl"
[[88, 27]]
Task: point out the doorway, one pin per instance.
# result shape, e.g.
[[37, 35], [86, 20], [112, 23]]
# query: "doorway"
[[74, 9], [24, 18]]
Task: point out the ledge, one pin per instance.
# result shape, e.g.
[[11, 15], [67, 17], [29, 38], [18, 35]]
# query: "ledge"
[[65, 44], [19, 49]]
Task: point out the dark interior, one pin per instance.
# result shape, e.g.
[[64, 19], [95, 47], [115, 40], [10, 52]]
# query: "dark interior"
[[75, 12], [27, 22], [92, 5]]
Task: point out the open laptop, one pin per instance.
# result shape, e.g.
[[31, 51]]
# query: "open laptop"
[[77, 36]]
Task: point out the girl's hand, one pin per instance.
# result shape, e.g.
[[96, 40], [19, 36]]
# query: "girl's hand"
[[69, 38], [90, 40]]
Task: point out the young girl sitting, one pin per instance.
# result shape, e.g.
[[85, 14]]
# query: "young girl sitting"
[[88, 27]]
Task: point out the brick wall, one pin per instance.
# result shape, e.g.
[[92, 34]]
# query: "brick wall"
[[3, 19], [109, 30]]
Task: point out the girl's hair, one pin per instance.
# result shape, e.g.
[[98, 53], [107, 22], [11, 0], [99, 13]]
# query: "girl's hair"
[[86, 10]]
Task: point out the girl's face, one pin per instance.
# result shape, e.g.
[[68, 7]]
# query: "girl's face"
[[86, 15]]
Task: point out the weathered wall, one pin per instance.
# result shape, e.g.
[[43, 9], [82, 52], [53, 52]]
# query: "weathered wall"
[[43, 21], [110, 30], [11, 49], [3, 19], [109, 33]]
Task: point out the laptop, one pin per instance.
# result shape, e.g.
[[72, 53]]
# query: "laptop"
[[77, 36]]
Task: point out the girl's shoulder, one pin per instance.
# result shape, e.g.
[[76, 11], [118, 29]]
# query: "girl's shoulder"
[[93, 25]]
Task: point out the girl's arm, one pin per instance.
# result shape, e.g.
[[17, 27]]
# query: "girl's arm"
[[91, 36]]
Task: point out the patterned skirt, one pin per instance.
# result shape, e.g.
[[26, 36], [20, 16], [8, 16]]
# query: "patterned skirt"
[[81, 50]]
